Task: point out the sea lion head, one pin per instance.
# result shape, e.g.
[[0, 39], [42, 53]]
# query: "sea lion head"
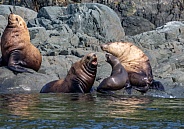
[[111, 59], [15, 21], [90, 60], [115, 48]]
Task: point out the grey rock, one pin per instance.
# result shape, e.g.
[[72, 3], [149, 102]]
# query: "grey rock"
[[51, 12], [24, 82], [57, 66], [3, 24], [157, 12], [38, 35], [33, 23], [94, 20], [135, 25], [76, 26]]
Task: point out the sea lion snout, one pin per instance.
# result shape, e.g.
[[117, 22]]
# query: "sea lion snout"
[[94, 55], [110, 58], [107, 55], [11, 11], [16, 21], [104, 47], [94, 59]]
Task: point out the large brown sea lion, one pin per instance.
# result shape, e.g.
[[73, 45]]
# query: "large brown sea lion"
[[118, 78], [17, 51], [136, 64], [79, 79]]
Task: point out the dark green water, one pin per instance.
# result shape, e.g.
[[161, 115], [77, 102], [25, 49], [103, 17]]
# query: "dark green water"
[[90, 111]]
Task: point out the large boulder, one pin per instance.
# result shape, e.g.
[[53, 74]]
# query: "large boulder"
[[21, 83], [157, 12], [77, 25], [137, 24]]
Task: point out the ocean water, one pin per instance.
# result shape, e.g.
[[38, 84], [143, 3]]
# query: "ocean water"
[[90, 111]]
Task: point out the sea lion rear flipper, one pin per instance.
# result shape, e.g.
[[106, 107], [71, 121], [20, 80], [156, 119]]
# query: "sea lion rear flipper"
[[142, 89], [128, 89], [157, 86]]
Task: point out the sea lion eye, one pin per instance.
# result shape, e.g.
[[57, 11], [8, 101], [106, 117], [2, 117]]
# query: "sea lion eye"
[[88, 57], [17, 19]]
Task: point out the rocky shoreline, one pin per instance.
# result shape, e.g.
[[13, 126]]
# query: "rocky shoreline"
[[65, 34]]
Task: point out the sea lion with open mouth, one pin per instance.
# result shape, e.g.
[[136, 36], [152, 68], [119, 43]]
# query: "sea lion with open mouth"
[[79, 79]]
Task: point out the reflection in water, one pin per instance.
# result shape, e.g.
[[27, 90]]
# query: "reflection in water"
[[70, 105], [18, 104], [124, 106], [89, 111]]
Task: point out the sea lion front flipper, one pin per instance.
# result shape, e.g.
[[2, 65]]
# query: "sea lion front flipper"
[[18, 69], [100, 90], [15, 65], [157, 86]]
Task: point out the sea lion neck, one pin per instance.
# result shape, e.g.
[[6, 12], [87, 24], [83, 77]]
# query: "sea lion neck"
[[114, 63]]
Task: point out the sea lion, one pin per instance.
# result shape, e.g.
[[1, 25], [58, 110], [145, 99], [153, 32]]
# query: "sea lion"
[[17, 51], [80, 77], [136, 64], [118, 78]]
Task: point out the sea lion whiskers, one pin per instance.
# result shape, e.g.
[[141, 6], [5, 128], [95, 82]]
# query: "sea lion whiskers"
[[11, 11], [14, 9]]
